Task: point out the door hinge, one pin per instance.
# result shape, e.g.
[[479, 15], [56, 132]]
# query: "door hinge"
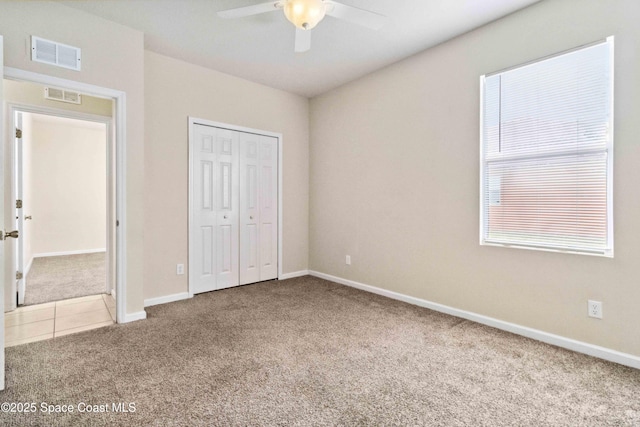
[[18, 275], [19, 133], [18, 204]]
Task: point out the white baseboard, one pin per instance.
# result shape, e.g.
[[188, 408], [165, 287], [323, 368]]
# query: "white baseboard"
[[166, 299], [557, 340], [132, 317], [294, 274], [78, 252]]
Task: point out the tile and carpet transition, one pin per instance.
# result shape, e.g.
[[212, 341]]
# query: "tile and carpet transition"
[[306, 351], [62, 277]]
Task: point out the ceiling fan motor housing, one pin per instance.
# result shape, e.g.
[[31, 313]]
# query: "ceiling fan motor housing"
[[305, 14]]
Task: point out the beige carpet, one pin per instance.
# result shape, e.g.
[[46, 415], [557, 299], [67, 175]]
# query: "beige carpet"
[[63, 277], [310, 352]]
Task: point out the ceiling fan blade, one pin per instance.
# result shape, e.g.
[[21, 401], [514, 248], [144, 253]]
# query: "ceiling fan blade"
[[354, 15], [256, 9], [303, 40]]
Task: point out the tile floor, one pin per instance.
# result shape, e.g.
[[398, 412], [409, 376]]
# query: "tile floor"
[[55, 319]]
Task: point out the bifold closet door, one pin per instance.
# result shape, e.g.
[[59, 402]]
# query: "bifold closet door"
[[258, 208], [215, 236]]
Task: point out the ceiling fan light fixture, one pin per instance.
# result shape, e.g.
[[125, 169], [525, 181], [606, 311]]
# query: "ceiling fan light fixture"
[[305, 14]]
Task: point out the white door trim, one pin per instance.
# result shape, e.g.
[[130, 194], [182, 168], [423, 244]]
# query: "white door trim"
[[2, 251], [108, 122], [120, 116], [192, 121], [17, 192]]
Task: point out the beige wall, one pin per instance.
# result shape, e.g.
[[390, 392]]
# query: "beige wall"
[[175, 90], [68, 186], [112, 57], [395, 180], [27, 93]]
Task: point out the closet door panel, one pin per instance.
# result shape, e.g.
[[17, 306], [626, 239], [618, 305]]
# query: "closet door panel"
[[268, 208], [202, 266], [227, 209], [249, 209]]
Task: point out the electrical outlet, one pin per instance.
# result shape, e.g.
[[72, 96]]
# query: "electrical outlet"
[[348, 260], [180, 269], [595, 309]]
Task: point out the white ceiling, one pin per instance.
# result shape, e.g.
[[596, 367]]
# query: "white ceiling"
[[260, 48]]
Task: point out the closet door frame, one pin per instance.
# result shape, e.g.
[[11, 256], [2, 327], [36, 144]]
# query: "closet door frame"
[[192, 122]]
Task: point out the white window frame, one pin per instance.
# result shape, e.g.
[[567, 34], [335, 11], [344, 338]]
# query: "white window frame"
[[606, 252]]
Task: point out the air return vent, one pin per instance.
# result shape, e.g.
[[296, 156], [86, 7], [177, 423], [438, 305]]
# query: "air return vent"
[[54, 53], [62, 95]]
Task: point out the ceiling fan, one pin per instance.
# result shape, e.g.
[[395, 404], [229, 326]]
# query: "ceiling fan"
[[306, 14]]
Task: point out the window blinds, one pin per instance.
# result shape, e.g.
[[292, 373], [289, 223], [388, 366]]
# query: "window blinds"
[[546, 153]]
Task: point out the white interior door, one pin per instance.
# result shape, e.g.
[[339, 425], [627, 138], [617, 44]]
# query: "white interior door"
[[19, 211], [268, 202], [258, 208], [201, 263], [213, 260], [2, 165], [249, 209], [227, 206]]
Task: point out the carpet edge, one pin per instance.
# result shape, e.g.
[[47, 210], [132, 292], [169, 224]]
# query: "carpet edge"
[[604, 353]]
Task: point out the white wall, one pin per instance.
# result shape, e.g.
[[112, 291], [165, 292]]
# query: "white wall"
[[395, 181], [67, 178]]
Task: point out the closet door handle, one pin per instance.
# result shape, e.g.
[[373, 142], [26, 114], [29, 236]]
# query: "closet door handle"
[[250, 216]]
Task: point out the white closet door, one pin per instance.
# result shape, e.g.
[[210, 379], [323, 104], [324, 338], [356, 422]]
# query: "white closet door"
[[227, 209], [249, 209], [268, 203], [258, 208], [214, 238]]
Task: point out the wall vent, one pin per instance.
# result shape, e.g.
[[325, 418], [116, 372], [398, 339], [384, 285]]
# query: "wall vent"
[[62, 95], [54, 53]]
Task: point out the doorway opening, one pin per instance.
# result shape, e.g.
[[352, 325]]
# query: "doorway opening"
[[65, 191], [61, 183]]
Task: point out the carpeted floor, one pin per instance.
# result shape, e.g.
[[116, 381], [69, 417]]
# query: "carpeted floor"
[[63, 277], [310, 352]]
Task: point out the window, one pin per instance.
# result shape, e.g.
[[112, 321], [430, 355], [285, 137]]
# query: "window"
[[547, 153]]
